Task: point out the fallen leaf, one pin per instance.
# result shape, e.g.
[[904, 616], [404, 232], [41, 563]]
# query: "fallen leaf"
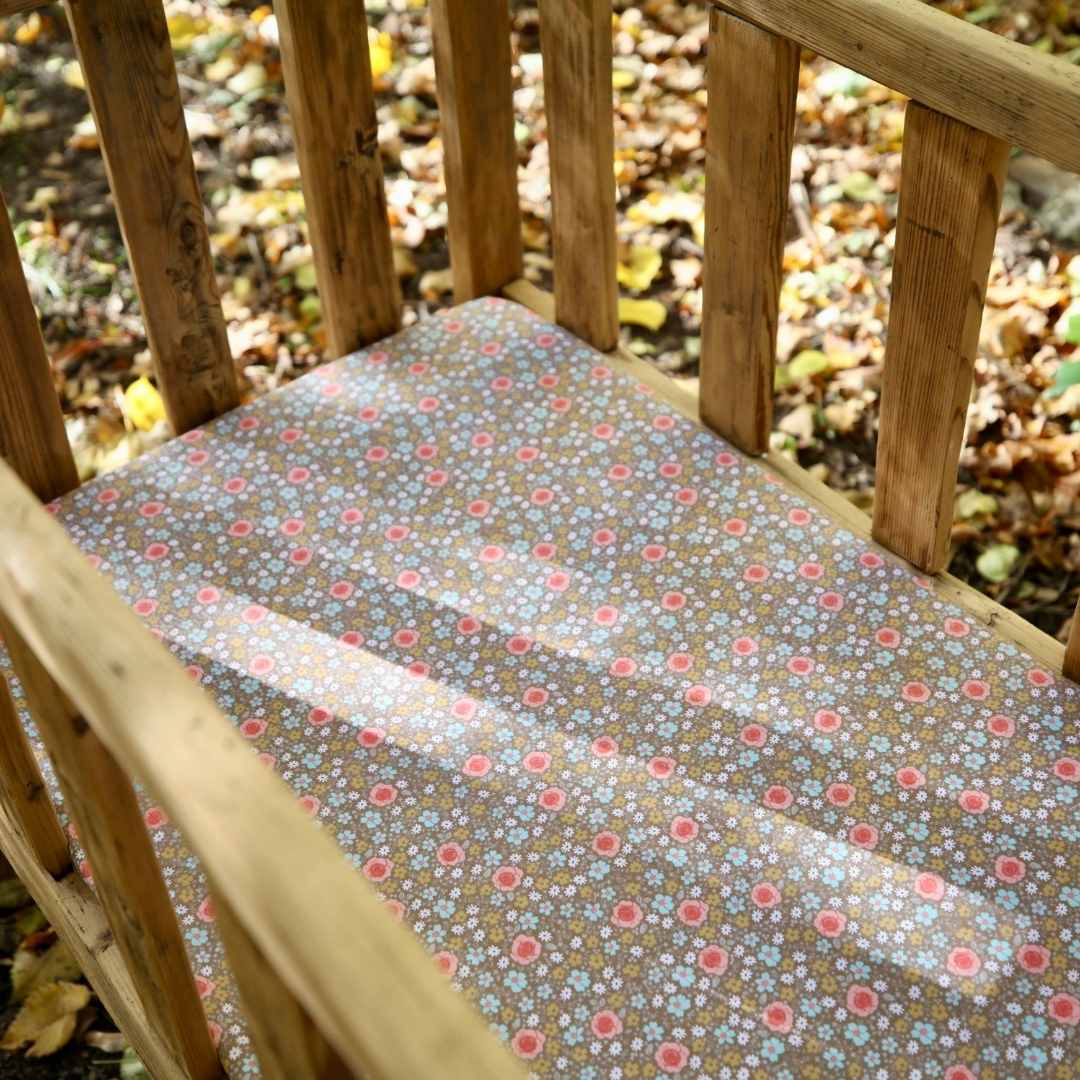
[[143, 406], [974, 503], [43, 1008], [381, 48], [31, 968], [997, 561], [861, 187], [55, 1037], [640, 268], [648, 313]]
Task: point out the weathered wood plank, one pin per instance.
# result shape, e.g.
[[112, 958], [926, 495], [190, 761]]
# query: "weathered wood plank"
[[1009, 90], [102, 804], [327, 66], [472, 67], [16, 7], [1072, 650], [753, 78], [127, 62], [575, 39], [366, 982], [32, 437], [951, 184]]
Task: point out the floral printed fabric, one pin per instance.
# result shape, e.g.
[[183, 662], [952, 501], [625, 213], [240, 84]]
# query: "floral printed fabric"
[[674, 776]]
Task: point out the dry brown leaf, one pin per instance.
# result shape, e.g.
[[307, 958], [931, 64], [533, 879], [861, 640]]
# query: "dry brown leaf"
[[31, 969], [43, 1008]]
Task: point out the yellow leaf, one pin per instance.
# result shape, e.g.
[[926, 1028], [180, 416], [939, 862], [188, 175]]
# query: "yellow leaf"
[[55, 1037], [382, 53], [143, 405], [184, 29], [73, 76], [641, 267], [660, 207], [43, 1008], [648, 313], [30, 969], [622, 79], [30, 30]]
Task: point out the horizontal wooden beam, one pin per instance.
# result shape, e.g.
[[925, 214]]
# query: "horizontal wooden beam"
[[1006, 89], [17, 7]]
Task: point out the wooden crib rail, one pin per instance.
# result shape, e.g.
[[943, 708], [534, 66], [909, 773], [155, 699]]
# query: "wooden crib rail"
[[355, 976]]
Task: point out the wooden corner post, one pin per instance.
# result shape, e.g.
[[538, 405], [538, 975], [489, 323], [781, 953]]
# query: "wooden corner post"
[[753, 77], [950, 197]]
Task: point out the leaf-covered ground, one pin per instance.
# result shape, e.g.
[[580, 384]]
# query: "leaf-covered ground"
[[1018, 500]]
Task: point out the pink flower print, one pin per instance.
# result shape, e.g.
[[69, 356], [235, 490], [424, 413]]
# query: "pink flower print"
[[477, 765], [698, 695], [653, 552], [206, 910], [826, 720], [151, 509], [601, 371], [396, 533], [959, 1072], [673, 601], [109, 495], [1038, 677], [193, 436], [292, 526], [261, 664], [765, 895], [831, 601], [537, 761], [735, 527], [310, 804], [887, 637], [491, 553], [864, 836], [963, 961], [713, 960], [407, 579], [663, 423], [479, 508], [974, 802], [535, 696], [623, 666], [606, 844], [446, 962], [1067, 769], [603, 431], [464, 708], [756, 573], [145, 607], [450, 854], [198, 457], [382, 794], [252, 727], [505, 879], [754, 735], [671, 1057], [418, 670], [468, 625], [605, 746], [406, 638], [320, 715], [341, 590], [840, 794], [620, 472], [370, 737], [156, 551], [267, 760], [830, 923], [725, 460], [155, 818], [1009, 869], [1002, 726], [525, 949], [861, 1000], [778, 797], [300, 556], [377, 869], [915, 691], [680, 662], [437, 478], [975, 689], [249, 423], [254, 613], [670, 469], [541, 496], [811, 571], [692, 912], [660, 768], [606, 615], [298, 475], [686, 496], [501, 383], [561, 404], [352, 516], [800, 665], [1033, 958], [527, 1043], [290, 435], [204, 987], [626, 914], [603, 537], [518, 645], [549, 380], [606, 1025], [377, 454], [427, 452], [910, 778], [427, 404], [330, 390], [215, 1032], [930, 886], [553, 798], [778, 1017], [957, 628], [1065, 1009], [744, 646], [871, 561], [684, 829], [544, 551], [527, 454], [799, 517]]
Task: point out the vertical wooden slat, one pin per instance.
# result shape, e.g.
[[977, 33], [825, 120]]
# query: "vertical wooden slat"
[[24, 793], [324, 51], [575, 39], [127, 878], [472, 77], [127, 62], [1072, 649], [753, 78], [289, 1046], [32, 436], [950, 197]]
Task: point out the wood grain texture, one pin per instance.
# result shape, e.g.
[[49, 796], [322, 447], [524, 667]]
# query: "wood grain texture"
[[1072, 650], [327, 65], [471, 41], [681, 396], [23, 792], [365, 980], [1009, 90], [76, 914], [951, 183], [127, 62], [32, 436], [288, 1045], [16, 7], [753, 78], [575, 39], [127, 878]]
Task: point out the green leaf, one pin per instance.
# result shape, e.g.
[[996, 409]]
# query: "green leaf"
[[807, 364], [1068, 374], [131, 1068], [997, 561], [1072, 330], [975, 504], [861, 187]]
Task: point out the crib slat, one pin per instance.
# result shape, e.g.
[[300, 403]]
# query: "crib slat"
[[24, 793], [753, 77], [1072, 649], [104, 808], [289, 1046], [472, 65], [324, 50], [951, 184], [32, 436], [127, 62], [575, 39]]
